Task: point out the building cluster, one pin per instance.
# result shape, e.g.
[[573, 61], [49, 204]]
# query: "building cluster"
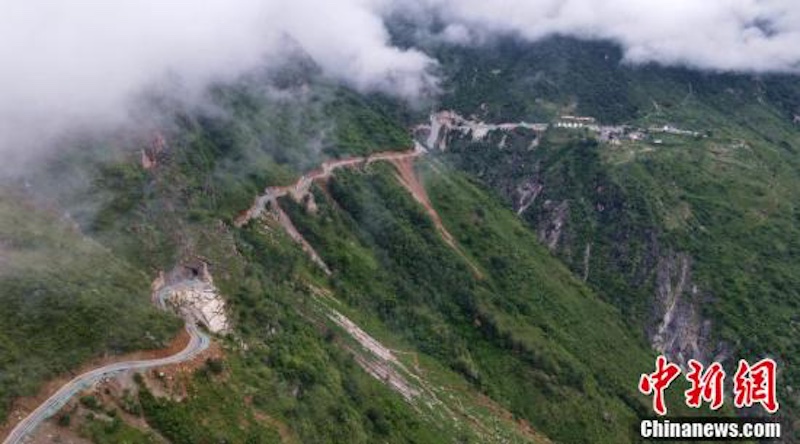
[[617, 134], [575, 122], [434, 135]]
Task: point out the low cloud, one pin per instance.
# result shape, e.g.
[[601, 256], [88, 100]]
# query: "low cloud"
[[723, 35], [79, 62]]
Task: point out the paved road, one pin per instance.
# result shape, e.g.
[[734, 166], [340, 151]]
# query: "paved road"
[[199, 341]]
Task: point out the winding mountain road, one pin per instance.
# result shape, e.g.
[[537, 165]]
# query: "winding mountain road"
[[198, 342]]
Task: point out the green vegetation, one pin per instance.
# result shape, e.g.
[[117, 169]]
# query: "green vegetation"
[[497, 325], [64, 420], [294, 377], [509, 80], [528, 334], [519, 335], [90, 402], [65, 300], [366, 125], [215, 415], [115, 431], [726, 201]]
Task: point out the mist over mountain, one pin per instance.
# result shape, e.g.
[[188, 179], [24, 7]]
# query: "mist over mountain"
[[745, 35], [82, 63], [365, 221]]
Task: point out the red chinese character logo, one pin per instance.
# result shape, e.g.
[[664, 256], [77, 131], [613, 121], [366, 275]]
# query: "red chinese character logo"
[[658, 382], [705, 386], [756, 384]]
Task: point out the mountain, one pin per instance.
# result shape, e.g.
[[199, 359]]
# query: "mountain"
[[501, 269], [683, 219]]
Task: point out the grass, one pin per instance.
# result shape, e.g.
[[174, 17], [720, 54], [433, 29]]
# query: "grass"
[[562, 354], [66, 300], [115, 431], [529, 335], [726, 200]]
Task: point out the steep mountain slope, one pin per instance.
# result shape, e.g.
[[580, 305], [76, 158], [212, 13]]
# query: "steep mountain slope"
[[482, 325], [692, 236], [512, 330], [376, 294], [65, 299], [170, 199]]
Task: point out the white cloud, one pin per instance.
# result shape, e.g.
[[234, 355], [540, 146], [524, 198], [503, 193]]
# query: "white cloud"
[[79, 61], [738, 35]]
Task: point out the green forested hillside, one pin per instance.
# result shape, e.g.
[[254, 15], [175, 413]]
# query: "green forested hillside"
[[521, 330], [493, 333], [506, 80], [64, 299], [527, 333], [723, 203]]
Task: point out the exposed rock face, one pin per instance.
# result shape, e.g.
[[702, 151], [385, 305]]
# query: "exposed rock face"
[[148, 161], [526, 194], [587, 256], [377, 360], [680, 332], [203, 304], [190, 291], [151, 154], [677, 327], [550, 232]]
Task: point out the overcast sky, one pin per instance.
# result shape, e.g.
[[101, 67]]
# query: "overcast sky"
[[67, 61], [748, 35]]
